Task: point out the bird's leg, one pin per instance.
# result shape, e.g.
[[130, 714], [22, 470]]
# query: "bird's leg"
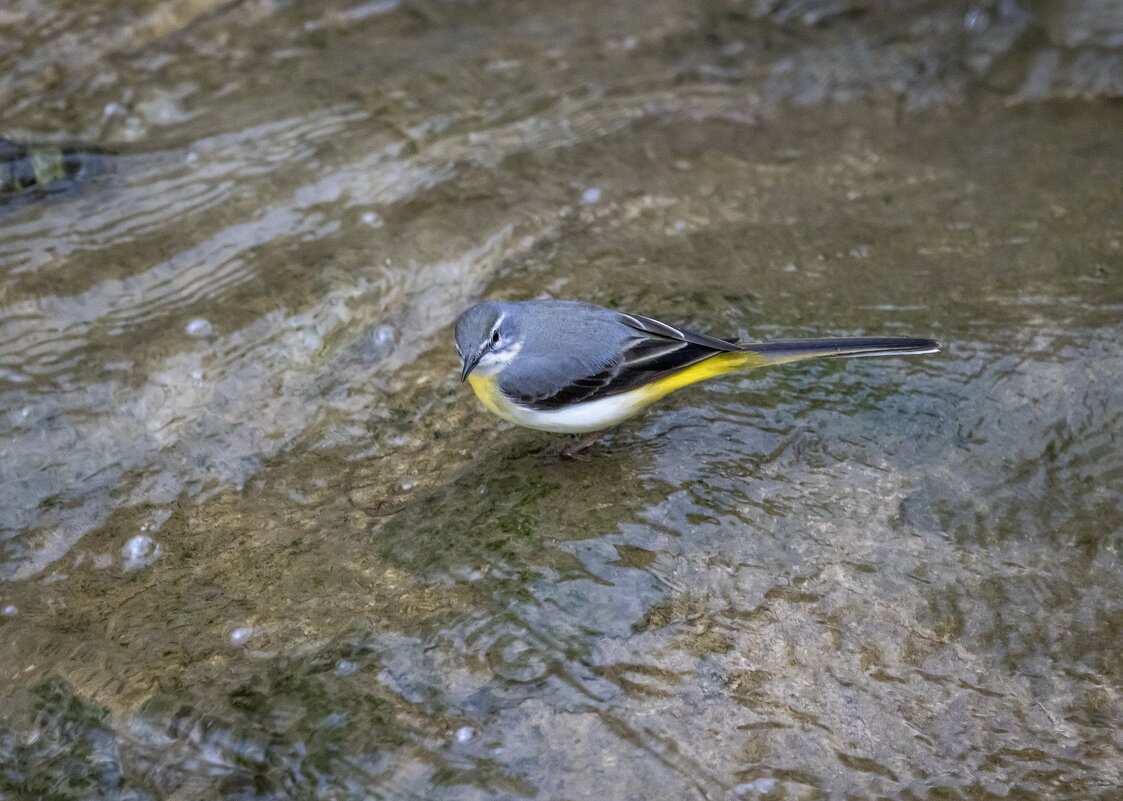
[[583, 443]]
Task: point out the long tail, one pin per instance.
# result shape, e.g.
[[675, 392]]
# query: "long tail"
[[763, 354], [798, 350]]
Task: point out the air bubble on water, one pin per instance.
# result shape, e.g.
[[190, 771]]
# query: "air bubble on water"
[[345, 667], [140, 551], [199, 328], [380, 343], [976, 20], [241, 635], [384, 335], [9, 610], [761, 786], [464, 734], [590, 196]]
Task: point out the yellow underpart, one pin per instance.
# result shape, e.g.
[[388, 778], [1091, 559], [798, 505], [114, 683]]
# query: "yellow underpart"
[[487, 390]]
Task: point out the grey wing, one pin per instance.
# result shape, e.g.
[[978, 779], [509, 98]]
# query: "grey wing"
[[656, 351]]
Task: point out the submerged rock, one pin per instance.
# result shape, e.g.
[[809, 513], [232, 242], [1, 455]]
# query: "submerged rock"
[[43, 169]]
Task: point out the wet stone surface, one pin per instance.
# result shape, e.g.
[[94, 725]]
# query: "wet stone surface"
[[256, 540]]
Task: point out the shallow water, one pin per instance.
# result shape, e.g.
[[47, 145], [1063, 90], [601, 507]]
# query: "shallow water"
[[258, 541]]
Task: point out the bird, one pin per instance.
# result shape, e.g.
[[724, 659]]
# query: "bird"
[[570, 367]]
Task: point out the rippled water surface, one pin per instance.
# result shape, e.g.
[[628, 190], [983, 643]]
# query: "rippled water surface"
[[257, 541]]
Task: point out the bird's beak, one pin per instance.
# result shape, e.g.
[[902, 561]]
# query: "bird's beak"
[[470, 362]]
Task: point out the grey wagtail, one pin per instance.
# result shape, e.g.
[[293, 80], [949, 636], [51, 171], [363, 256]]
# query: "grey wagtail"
[[571, 367]]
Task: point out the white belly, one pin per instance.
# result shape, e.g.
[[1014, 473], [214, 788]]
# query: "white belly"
[[577, 419]]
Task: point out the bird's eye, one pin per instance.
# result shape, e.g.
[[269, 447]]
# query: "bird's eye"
[[495, 337]]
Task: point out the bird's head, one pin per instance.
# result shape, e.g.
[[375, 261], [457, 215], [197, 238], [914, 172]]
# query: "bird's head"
[[487, 338]]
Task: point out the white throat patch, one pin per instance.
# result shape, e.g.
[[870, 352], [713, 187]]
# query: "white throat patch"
[[495, 362]]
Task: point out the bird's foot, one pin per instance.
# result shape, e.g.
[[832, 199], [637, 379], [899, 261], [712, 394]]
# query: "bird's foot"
[[574, 450]]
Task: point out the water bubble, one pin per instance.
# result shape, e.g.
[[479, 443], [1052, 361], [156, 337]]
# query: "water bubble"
[[241, 635], [513, 657], [140, 551], [345, 667], [9, 610], [590, 196], [976, 20], [464, 734], [199, 328], [761, 786], [380, 343], [384, 335], [137, 547]]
